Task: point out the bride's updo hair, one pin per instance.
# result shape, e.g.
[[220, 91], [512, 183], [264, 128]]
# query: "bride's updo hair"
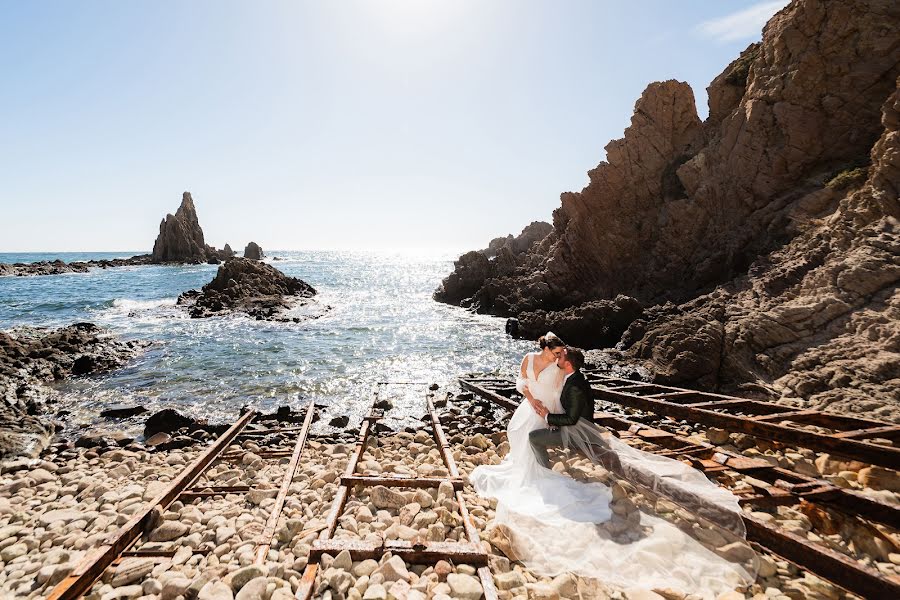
[[551, 340]]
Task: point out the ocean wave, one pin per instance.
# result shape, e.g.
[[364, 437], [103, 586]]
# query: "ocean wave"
[[128, 305]]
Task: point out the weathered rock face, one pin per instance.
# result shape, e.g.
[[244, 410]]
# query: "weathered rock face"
[[32, 357], [816, 322], [596, 323], [180, 236], [249, 286], [474, 269], [253, 251], [768, 203]]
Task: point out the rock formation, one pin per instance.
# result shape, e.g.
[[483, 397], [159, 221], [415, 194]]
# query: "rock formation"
[[180, 236], [499, 259], [58, 267], [253, 251], [249, 286], [32, 357], [763, 246]]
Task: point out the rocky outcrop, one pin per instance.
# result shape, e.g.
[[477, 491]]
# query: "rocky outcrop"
[[596, 323], [761, 242], [180, 236], [248, 286], [475, 269], [58, 267], [30, 358], [253, 251], [815, 323]]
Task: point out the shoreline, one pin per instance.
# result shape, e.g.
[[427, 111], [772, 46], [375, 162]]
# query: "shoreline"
[[55, 509]]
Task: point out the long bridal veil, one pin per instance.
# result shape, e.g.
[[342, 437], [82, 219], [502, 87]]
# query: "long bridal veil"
[[640, 520]]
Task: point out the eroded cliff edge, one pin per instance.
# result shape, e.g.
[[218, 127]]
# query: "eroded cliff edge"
[[757, 251]]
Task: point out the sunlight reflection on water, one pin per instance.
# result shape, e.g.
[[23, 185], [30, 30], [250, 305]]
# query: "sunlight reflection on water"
[[382, 326]]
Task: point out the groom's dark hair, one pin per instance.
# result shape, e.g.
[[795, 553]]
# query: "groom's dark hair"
[[575, 356]]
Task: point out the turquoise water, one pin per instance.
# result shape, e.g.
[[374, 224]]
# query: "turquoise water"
[[382, 326]]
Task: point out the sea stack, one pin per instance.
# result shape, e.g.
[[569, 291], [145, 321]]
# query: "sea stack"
[[180, 236], [253, 251]]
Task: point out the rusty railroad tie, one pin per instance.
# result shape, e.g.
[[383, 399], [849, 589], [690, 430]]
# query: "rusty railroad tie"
[[787, 487], [126, 541], [470, 552]]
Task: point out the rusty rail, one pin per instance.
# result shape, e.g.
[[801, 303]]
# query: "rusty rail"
[[85, 574], [417, 552], [850, 437], [829, 564], [122, 543]]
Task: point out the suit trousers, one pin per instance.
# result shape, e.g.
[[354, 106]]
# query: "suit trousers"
[[540, 440]]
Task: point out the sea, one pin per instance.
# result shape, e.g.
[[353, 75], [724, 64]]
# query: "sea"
[[373, 329]]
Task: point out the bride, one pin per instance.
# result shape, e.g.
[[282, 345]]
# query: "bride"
[[627, 530]]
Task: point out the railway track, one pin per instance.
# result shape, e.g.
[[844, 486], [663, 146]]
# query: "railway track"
[[129, 541], [416, 551], [771, 485]]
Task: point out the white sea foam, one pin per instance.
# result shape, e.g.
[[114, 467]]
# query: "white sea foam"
[[128, 305]]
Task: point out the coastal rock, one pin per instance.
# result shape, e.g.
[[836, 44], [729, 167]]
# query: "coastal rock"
[[58, 267], [167, 420], [763, 243], [253, 251], [473, 269], [248, 286], [180, 236], [599, 323], [30, 358]]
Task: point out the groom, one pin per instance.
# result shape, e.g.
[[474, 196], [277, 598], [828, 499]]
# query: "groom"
[[576, 399]]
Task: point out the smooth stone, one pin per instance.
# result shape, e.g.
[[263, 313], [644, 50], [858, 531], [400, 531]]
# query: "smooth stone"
[[239, 578], [215, 590], [464, 587], [168, 531]]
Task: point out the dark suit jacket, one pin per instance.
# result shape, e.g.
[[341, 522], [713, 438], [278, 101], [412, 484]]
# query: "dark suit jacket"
[[577, 400]]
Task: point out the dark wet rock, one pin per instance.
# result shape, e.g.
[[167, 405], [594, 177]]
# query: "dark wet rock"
[[58, 267], [341, 421], [122, 411], [31, 358], [383, 404], [253, 251], [249, 286], [600, 323], [167, 420]]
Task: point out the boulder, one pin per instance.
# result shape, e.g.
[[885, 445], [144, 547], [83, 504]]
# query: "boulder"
[[167, 420], [253, 251]]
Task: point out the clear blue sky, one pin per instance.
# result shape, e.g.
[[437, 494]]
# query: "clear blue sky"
[[370, 124]]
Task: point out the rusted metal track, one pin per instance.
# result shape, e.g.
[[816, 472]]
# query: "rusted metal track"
[[824, 562], [420, 552], [265, 538], [83, 577], [850, 437], [122, 543]]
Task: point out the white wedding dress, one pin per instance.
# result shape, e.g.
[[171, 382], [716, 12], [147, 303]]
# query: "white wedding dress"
[[553, 522]]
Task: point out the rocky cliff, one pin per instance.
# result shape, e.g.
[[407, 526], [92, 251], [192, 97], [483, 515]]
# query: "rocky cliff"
[[761, 242]]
